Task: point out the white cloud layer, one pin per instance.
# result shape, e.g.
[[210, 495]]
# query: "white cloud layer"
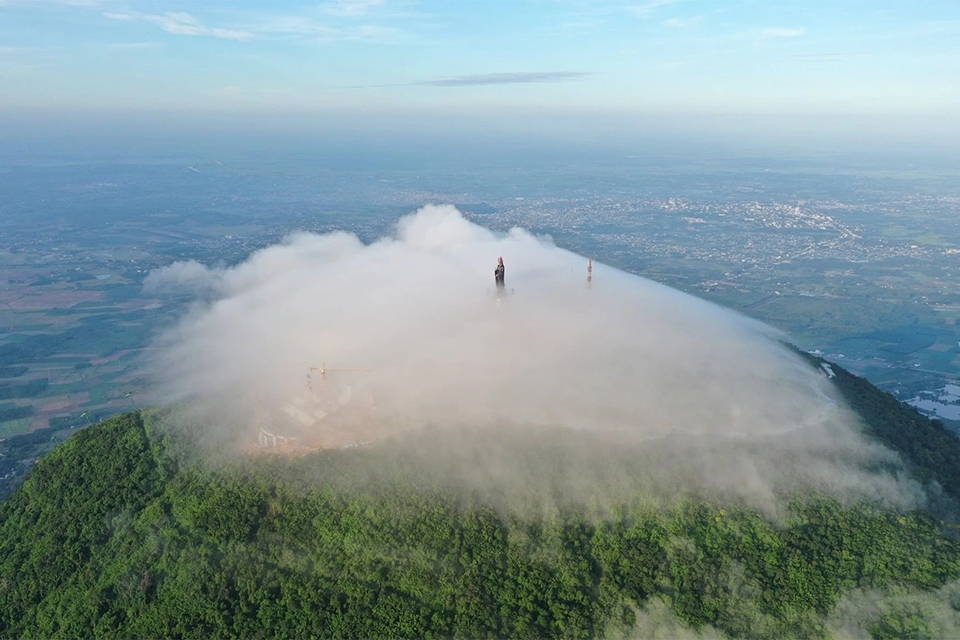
[[625, 361]]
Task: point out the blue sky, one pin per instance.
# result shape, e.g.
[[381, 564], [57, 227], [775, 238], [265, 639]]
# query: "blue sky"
[[695, 57]]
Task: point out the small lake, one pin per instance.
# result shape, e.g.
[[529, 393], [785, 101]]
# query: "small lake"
[[942, 403]]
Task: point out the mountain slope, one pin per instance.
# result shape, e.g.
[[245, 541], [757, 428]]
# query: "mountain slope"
[[112, 536], [932, 450]]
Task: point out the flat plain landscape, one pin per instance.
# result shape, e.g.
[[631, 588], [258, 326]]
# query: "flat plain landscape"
[[859, 265]]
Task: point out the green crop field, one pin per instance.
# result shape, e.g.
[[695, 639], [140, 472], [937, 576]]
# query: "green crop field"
[[15, 427]]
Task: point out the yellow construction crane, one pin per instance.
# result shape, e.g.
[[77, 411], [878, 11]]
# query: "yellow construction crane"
[[323, 369]]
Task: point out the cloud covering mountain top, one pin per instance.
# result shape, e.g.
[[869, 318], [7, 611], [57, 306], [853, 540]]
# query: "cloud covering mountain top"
[[623, 360]]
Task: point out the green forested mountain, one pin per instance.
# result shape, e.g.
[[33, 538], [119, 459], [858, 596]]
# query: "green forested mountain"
[[115, 535], [931, 450]]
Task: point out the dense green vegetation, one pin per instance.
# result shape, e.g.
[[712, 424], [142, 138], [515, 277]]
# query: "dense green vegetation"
[[14, 412], [931, 450], [18, 454], [115, 536], [103, 334], [27, 390], [120, 532], [78, 420]]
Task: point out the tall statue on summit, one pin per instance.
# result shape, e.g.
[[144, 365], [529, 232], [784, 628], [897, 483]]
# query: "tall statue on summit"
[[498, 274]]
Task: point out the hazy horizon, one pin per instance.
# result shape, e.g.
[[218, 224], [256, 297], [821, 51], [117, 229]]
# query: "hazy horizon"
[[863, 75], [639, 56], [32, 136]]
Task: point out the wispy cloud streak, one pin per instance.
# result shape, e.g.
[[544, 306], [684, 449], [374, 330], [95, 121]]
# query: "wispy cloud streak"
[[683, 23], [350, 8], [506, 78], [779, 32], [180, 23], [646, 9], [823, 57], [483, 79]]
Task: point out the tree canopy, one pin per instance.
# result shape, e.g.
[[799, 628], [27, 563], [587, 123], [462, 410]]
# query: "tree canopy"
[[115, 536]]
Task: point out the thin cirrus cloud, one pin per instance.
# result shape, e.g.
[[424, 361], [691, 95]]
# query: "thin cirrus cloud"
[[181, 23], [486, 79], [646, 9], [350, 8], [683, 23], [132, 46], [779, 32], [824, 57], [505, 78], [298, 28]]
